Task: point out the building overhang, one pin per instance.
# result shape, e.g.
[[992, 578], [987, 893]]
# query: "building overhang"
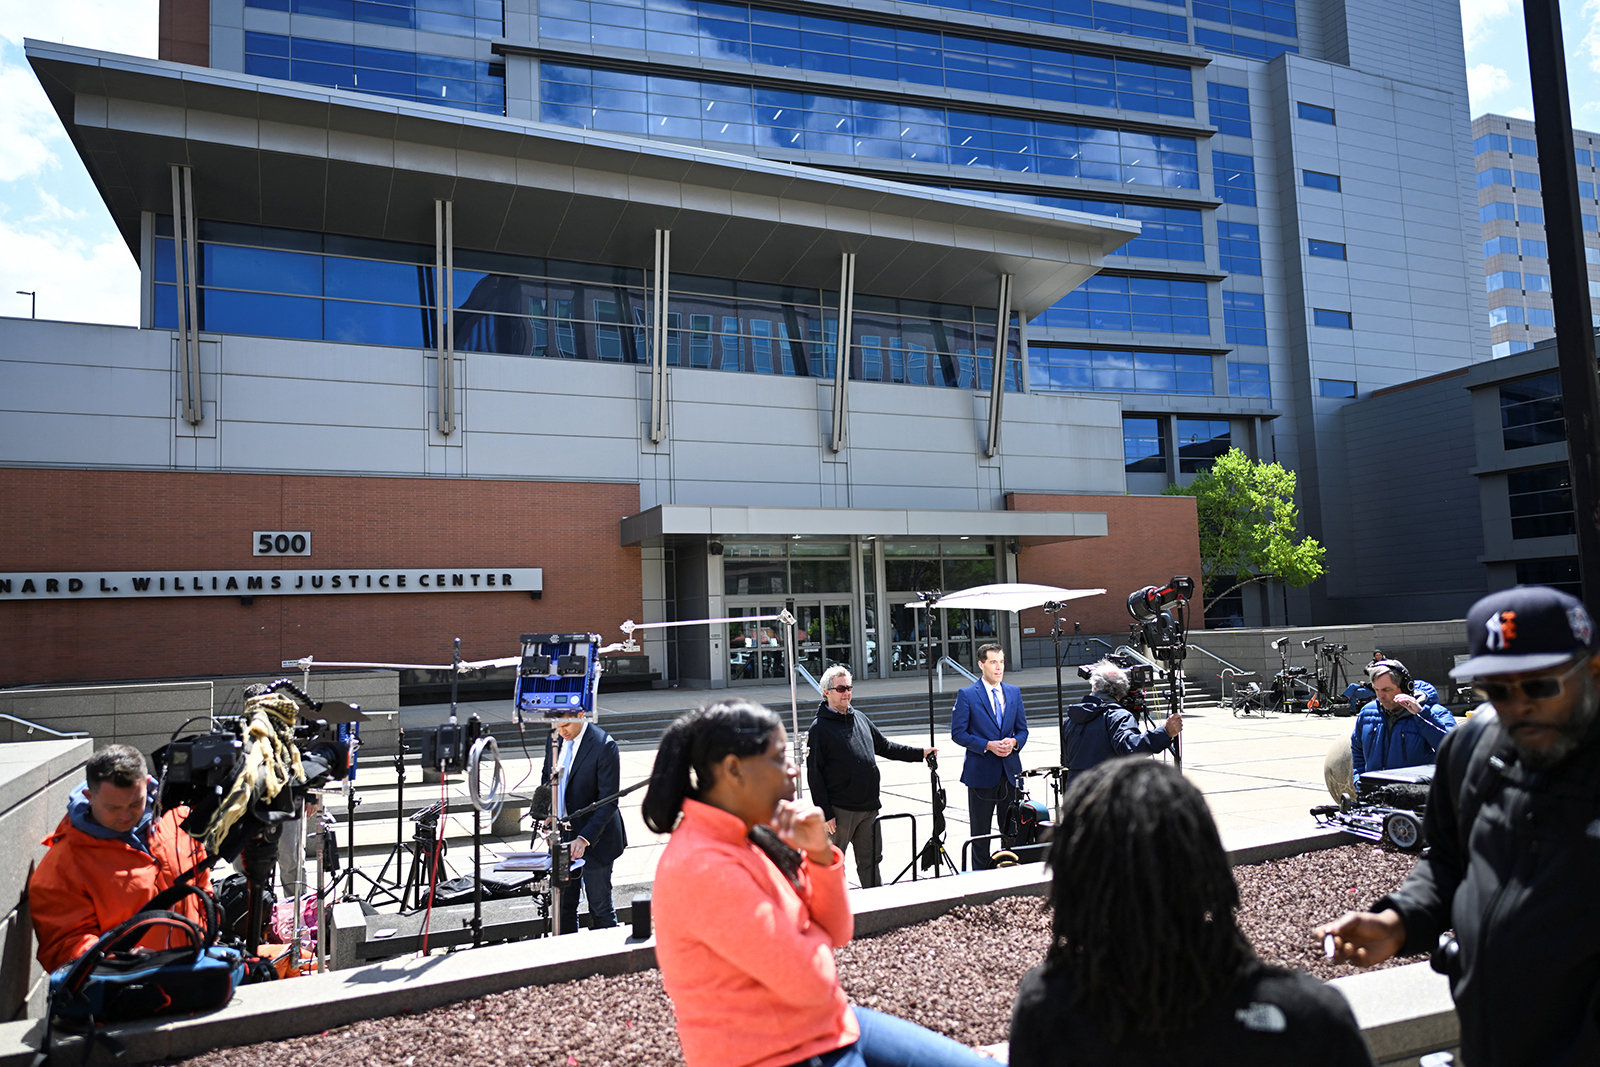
[[275, 153], [667, 521]]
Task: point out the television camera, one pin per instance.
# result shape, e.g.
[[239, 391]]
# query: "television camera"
[[1141, 682], [1161, 618]]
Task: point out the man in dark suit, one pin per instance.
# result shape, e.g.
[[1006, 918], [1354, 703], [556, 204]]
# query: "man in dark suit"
[[584, 767], [989, 723]]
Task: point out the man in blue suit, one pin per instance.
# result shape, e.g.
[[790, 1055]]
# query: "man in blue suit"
[[989, 723], [586, 767]]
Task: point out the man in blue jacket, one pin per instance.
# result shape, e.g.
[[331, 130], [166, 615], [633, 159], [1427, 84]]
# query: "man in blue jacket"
[[1101, 727], [989, 723], [583, 768], [1402, 727]]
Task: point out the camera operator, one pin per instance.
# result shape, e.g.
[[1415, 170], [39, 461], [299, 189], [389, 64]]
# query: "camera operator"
[[1401, 727], [1101, 728], [108, 858], [841, 765]]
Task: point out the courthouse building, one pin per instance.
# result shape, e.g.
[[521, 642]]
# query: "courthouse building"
[[678, 309]]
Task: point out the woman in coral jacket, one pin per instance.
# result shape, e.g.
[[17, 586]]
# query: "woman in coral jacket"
[[749, 904]]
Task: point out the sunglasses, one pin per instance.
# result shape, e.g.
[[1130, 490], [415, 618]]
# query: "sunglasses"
[[843, 688], [1532, 688]]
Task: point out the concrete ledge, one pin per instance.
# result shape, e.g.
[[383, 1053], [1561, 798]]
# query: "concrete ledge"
[[1404, 1012]]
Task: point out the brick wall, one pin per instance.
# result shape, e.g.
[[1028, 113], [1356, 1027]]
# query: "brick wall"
[[109, 520], [1148, 540]]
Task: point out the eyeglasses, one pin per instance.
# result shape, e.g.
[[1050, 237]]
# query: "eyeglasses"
[[843, 688], [1532, 688]]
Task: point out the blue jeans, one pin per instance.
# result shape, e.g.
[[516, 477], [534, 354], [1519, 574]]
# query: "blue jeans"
[[890, 1042]]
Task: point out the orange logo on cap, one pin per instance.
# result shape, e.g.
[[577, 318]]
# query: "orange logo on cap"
[[1502, 629]]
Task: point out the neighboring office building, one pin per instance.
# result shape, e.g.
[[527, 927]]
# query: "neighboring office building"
[[1445, 515], [1516, 263]]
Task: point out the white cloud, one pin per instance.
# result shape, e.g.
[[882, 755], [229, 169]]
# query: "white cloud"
[[83, 279], [1589, 45], [1519, 113], [1484, 81], [54, 209], [1478, 18], [127, 26], [29, 128]]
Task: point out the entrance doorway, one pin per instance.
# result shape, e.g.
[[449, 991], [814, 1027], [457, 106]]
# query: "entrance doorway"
[[757, 650]]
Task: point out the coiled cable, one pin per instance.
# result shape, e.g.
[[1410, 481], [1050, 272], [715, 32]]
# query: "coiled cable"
[[497, 781]]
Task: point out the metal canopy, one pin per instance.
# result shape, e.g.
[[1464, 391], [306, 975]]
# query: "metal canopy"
[[1027, 527], [276, 153]]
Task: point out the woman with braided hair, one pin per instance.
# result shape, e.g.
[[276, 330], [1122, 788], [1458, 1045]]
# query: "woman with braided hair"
[[1147, 964], [749, 903]]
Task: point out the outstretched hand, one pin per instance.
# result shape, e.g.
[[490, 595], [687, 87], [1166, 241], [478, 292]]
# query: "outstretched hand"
[[1364, 938], [801, 826]]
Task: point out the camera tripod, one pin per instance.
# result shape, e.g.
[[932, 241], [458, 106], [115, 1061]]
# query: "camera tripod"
[[427, 848]]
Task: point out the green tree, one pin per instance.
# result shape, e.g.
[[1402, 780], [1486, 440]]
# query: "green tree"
[[1248, 525]]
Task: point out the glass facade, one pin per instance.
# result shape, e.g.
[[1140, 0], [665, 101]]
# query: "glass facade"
[[449, 81], [1230, 108], [1132, 305], [779, 38], [1144, 446], [1057, 369], [1200, 442], [1166, 233], [1235, 178], [1249, 379], [1541, 502], [1531, 412], [322, 287], [687, 110], [461, 18], [1239, 247], [1245, 318], [1084, 14]]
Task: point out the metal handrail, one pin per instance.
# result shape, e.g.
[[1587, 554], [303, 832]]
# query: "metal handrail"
[[973, 678], [812, 682], [877, 843], [967, 850], [1231, 666], [32, 726]]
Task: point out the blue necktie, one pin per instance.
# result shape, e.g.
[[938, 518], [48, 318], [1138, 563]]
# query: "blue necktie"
[[998, 704], [561, 791]]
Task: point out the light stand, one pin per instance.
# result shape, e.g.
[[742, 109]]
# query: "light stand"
[[1165, 633], [381, 884], [934, 854]]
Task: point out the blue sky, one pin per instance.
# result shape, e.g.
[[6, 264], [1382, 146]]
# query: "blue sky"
[[56, 236]]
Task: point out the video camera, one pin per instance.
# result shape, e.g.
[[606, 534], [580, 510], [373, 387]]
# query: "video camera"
[[1159, 617], [202, 770], [1141, 678], [445, 747]]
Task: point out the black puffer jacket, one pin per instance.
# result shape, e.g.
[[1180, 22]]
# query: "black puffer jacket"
[[1517, 883], [841, 767]]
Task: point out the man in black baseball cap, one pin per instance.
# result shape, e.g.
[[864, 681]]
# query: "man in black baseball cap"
[[1513, 822]]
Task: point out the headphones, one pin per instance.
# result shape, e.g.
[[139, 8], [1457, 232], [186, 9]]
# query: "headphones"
[[1394, 667]]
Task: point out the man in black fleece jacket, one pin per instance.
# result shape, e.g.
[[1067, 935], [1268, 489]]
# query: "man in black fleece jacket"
[[842, 770]]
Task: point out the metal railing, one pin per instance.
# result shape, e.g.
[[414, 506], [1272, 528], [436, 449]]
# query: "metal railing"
[[877, 844], [812, 682], [968, 675], [1235, 668], [32, 726]]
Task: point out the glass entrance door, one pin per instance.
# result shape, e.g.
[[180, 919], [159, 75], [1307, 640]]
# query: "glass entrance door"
[[910, 567], [757, 651]]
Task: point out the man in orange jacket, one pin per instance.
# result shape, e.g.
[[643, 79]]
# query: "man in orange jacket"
[[108, 858]]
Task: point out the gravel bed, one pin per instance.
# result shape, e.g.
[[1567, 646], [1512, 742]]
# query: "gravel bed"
[[626, 1020]]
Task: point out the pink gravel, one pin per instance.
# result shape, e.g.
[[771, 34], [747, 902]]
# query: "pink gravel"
[[956, 974]]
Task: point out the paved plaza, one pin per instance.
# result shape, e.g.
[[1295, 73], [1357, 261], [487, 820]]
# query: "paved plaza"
[[1256, 773]]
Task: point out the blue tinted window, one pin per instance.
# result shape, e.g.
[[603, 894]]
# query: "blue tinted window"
[[1493, 176], [1240, 44], [1314, 112], [1200, 442], [1586, 190], [1337, 320], [1496, 210], [1315, 179], [1502, 315], [1337, 389], [1589, 222], [1249, 379], [1491, 142], [1530, 213], [1144, 446], [1244, 316], [1235, 177], [446, 80], [1119, 371], [1541, 317], [1505, 279], [1500, 246], [367, 279], [1143, 305], [262, 314], [1524, 147], [1536, 283], [468, 18], [1526, 179], [1582, 155], [866, 128], [261, 269], [1239, 247], [1535, 248], [1230, 108], [269, 5], [1325, 249]]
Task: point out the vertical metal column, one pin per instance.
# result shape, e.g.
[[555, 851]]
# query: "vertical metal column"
[[187, 292], [841, 369], [444, 263], [658, 339], [1002, 339], [1569, 281]]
